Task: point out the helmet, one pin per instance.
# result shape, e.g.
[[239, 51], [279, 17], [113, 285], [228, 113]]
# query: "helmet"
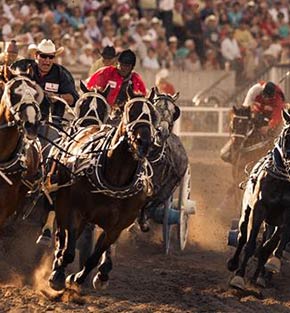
[[269, 90], [127, 57]]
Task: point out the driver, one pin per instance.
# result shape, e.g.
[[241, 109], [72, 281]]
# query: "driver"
[[118, 77], [267, 101]]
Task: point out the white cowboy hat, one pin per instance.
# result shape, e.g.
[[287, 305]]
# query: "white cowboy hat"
[[48, 47]]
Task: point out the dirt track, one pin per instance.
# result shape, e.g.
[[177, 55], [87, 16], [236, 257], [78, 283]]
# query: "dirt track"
[[143, 278]]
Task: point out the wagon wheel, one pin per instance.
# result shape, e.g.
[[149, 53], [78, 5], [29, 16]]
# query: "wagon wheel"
[[184, 196], [166, 226]]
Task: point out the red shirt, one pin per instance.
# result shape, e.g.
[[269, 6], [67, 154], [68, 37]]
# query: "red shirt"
[[271, 107], [109, 75]]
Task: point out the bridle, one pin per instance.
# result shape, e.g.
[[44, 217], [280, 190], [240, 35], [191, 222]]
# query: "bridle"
[[28, 97], [93, 108], [147, 109], [249, 129]]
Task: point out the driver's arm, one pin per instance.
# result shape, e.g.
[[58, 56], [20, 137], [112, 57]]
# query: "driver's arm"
[[253, 92]]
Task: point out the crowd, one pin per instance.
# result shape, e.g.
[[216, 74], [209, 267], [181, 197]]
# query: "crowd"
[[184, 34]]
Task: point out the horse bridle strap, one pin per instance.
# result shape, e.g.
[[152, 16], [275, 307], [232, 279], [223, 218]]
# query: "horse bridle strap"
[[93, 107]]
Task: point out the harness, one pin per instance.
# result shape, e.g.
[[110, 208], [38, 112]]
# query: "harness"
[[90, 162]]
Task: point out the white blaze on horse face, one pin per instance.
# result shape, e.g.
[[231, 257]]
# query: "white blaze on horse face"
[[31, 114], [26, 92], [93, 104]]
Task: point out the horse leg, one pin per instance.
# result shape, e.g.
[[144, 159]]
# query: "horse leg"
[[257, 219], [142, 220], [233, 263], [65, 252], [101, 279], [103, 244], [274, 263], [57, 277], [261, 275], [85, 244]]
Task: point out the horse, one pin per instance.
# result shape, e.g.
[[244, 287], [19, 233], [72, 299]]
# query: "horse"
[[245, 146], [168, 157], [266, 199], [19, 146], [90, 114], [110, 183]]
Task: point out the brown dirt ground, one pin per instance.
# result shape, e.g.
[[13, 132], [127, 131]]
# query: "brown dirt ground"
[[143, 278]]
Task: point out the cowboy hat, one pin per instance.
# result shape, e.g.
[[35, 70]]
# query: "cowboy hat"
[[48, 47], [109, 52]]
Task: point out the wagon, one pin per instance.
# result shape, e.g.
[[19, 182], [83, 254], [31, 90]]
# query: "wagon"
[[175, 211]]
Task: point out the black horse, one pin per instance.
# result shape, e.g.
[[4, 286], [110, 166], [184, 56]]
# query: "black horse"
[[168, 157], [266, 199], [110, 183], [245, 146]]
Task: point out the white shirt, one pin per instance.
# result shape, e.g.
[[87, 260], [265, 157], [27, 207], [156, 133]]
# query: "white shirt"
[[150, 63], [253, 92], [166, 5], [230, 49]]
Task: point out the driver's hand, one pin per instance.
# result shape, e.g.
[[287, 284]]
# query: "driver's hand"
[[51, 95]]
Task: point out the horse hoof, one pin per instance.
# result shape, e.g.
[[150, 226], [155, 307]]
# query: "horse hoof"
[[261, 282], [57, 280], [232, 266], [273, 265], [99, 284], [71, 283], [238, 282]]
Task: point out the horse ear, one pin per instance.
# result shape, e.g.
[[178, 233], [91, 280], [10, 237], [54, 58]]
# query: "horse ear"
[[157, 91], [106, 91], [30, 71], [83, 87], [130, 92], [7, 73], [151, 95], [175, 96], [286, 116]]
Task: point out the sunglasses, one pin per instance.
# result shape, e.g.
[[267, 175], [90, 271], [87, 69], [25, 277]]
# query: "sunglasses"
[[46, 56]]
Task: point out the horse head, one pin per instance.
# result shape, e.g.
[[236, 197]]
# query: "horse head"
[[167, 108], [283, 141], [138, 124], [92, 107], [21, 98], [240, 124]]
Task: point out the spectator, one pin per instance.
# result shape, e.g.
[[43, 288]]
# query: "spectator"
[[231, 53], [192, 62], [86, 58], [282, 25], [166, 15], [162, 83], [235, 15], [150, 62], [211, 62], [108, 57], [10, 55], [92, 31], [212, 37]]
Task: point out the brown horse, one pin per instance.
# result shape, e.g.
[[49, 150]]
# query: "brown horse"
[[109, 182], [244, 148], [19, 149]]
